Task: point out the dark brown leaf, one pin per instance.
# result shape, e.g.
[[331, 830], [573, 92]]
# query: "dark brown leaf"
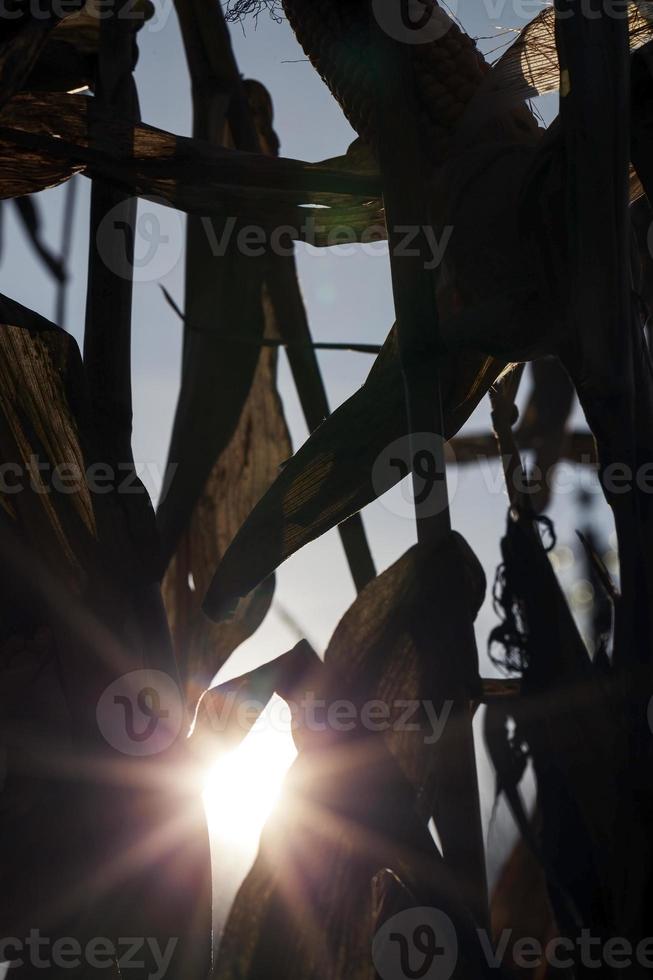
[[530, 66], [38, 426], [226, 713], [48, 137], [330, 477], [520, 903], [566, 716], [309, 907], [230, 436], [67, 61], [492, 294], [20, 50], [242, 472], [377, 650]]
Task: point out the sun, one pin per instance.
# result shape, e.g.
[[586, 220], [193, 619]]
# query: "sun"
[[243, 786]]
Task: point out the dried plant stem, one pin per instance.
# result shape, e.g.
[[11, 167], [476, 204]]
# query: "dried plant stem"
[[275, 341], [107, 337], [405, 198], [221, 290], [593, 51], [70, 199], [294, 328], [219, 101]]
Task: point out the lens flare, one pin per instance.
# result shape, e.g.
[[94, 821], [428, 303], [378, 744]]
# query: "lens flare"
[[243, 786]]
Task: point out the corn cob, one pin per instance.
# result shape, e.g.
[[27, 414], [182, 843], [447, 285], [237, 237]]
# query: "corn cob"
[[336, 37]]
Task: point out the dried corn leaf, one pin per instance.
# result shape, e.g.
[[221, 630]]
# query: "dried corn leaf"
[[239, 435], [61, 491], [309, 907], [242, 472], [70, 568], [62, 67], [67, 61], [565, 715], [378, 652], [216, 422], [29, 169], [40, 438], [21, 49], [46, 138], [307, 910], [520, 903], [59, 494], [81, 30], [226, 713], [492, 293], [530, 65], [360, 158], [385, 649], [330, 477]]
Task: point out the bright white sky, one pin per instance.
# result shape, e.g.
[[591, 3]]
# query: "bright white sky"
[[348, 298]]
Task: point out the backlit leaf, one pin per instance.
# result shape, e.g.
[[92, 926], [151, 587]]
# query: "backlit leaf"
[[330, 477], [356, 800]]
